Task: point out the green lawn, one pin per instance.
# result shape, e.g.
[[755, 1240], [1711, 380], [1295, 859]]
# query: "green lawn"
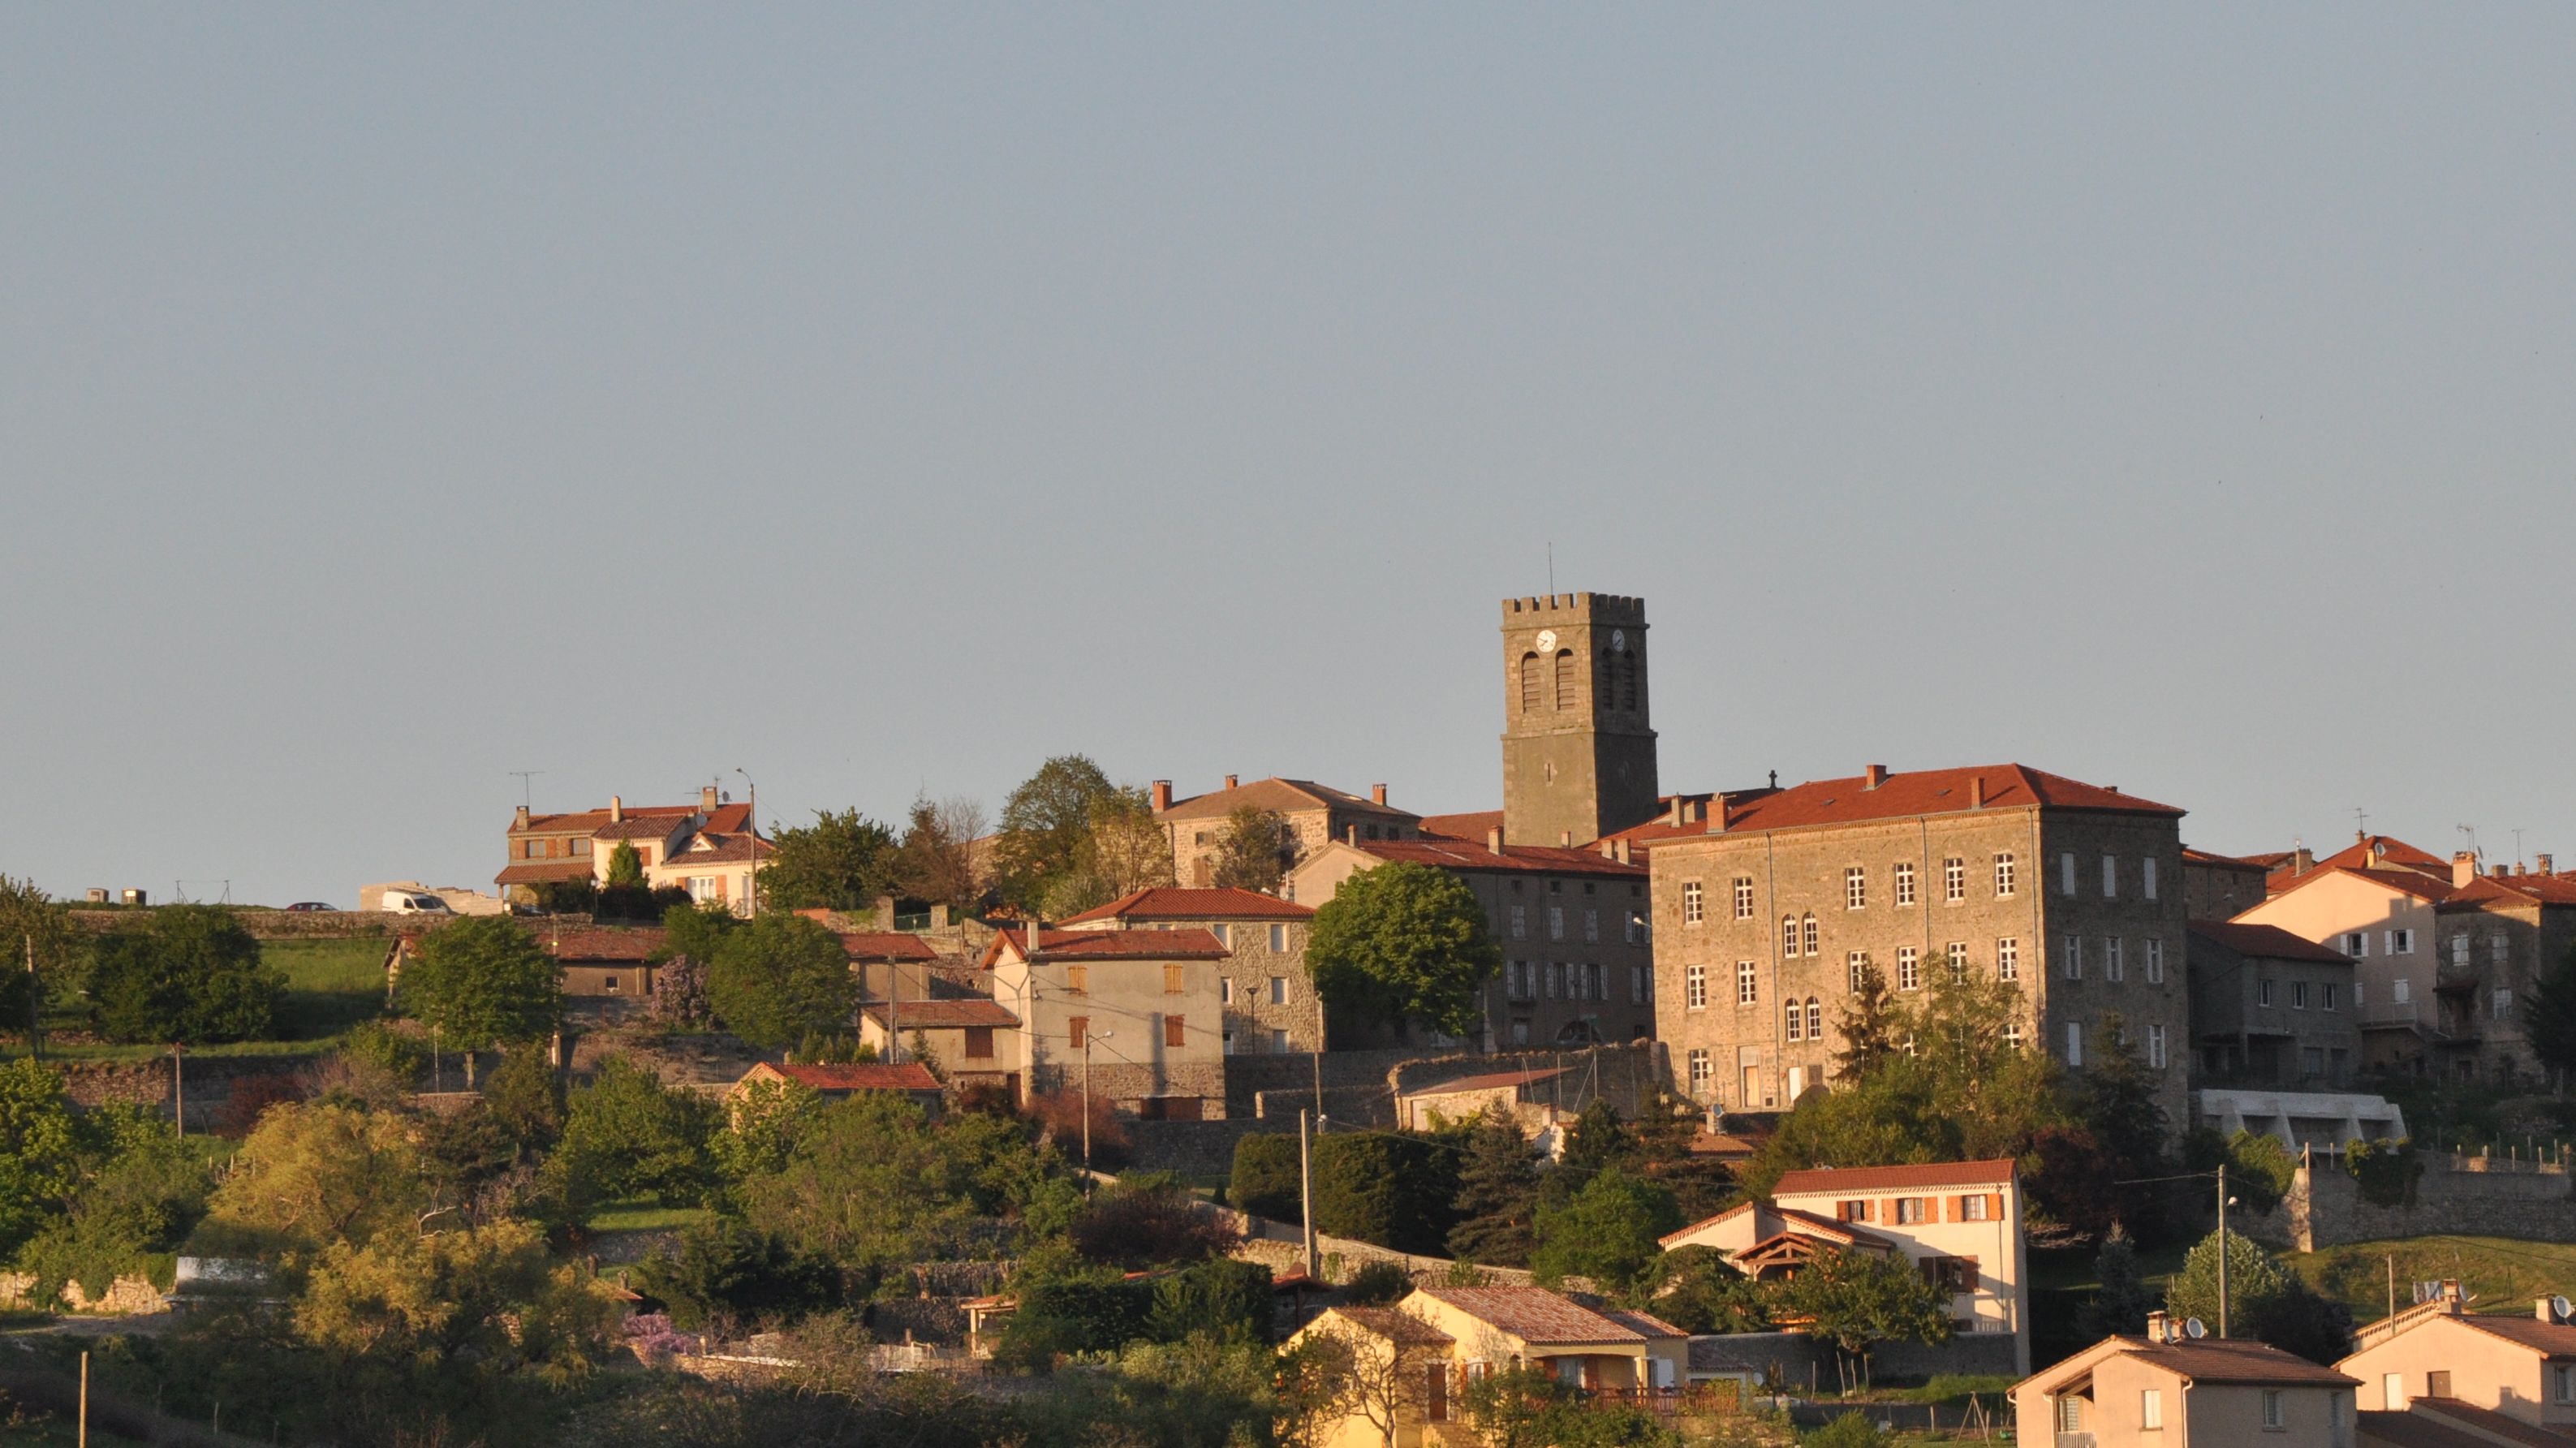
[[331, 985], [2502, 1274], [645, 1217]]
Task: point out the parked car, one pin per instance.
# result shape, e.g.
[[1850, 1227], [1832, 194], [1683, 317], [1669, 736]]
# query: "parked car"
[[413, 902], [309, 906]]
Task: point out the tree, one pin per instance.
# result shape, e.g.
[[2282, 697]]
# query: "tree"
[[628, 1137], [1407, 942], [312, 1174], [1380, 1375], [483, 981], [872, 1181], [1268, 1179], [936, 861], [1872, 1026], [1860, 1299], [2121, 1303], [726, 1273], [39, 1148], [1611, 1232], [1706, 1294], [2265, 1300], [1044, 822], [840, 862], [1595, 1143], [489, 1296], [780, 977], [1149, 1221], [192, 974], [2549, 1021], [1666, 1132], [1254, 850], [1497, 1203], [625, 868], [32, 923], [526, 1099], [1384, 1187], [1124, 849]]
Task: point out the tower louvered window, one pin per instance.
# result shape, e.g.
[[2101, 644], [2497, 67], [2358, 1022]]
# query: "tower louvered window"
[[1569, 682], [1529, 684]]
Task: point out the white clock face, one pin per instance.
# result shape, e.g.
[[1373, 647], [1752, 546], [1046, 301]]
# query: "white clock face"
[[1547, 641], [1618, 640]]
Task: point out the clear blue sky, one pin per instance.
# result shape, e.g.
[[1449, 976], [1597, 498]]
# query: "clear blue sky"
[[881, 399]]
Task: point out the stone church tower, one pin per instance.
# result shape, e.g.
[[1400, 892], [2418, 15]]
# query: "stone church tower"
[[1578, 757]]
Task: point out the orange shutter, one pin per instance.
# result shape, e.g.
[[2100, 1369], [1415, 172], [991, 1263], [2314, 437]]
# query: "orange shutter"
[[1995, 1206]]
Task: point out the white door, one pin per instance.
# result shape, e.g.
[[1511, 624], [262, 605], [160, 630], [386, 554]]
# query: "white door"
[[2392, 1393], [1797, 1085]]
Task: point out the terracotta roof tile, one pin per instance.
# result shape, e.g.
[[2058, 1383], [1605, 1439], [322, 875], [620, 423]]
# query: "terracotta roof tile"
[[721, 850], [1473, 826], [1535, 1315], [2378, 851], [2268, 941], [944, 1014], [2234, 1360], [1169, 903], [530, 872], [2516, 890], [1894, 1178], [2407, 882], [2557, 1339], [1108, 945], [1929, 792], [885, 945], [1646, 1324], [605, 943], [1515, 859], [1394, 1325], [639, 826]]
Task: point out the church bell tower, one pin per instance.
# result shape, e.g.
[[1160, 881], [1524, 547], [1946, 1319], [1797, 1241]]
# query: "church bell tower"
[[1578, 755]]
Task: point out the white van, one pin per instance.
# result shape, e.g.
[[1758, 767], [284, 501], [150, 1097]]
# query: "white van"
[[413, 902]]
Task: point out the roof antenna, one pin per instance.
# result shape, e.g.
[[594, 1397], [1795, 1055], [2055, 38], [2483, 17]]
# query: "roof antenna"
[[526, 795], [1551, 567], [2360, 823], [2472, 832]]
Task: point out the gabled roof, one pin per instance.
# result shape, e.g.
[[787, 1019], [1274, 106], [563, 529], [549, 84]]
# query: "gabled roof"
[[875, 945], [1472, 826], [943, 1014], [2233, 1361], [1169, 903], [1646, 1324], [2514, 890], [2373, 852], [1536, 1315], [605, 944], [1287, 796], [1829, 1180], [1650, 833], [640, 826], [2269, 942], [1393, 1325], [1515, 859], [585, 821], [858, 1076], [1929, 792], [1739, 1209], [2552, 1339], [2446, 1422], [532, 872], [1106, 945], [719, 850], [2405, 882]]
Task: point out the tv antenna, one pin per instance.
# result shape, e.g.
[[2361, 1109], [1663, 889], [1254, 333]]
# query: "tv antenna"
[[527, 794], [2360, 822], [2472, 832]]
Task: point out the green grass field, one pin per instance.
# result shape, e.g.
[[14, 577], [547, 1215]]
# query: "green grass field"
[[645, 1217], [2500, 1274], [331, 985]]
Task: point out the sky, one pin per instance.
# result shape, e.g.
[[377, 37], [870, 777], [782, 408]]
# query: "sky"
[[877, 400]]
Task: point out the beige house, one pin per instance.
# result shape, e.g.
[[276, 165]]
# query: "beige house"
[[1131, 1015], [1959, 1222], [909, 1079], [974, 1040], [1310, 814], [1423, 1353], [2271, 1009], [707, 848], [2522, 1366], [1270, 1006], [1578, 964], [1764, 922], [2383, 919], [2167, 1390], [2498, 934]]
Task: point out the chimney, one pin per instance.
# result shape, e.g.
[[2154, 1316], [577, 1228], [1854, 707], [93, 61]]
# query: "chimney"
[[523, 819], [1977, 792], [707, 799], [2464, 867], [1378, 792], [1680, 810], [616, 809], [1229, 781], [1873, 775], [2156, 1331], [2540, 1310], [1029, 940], [1716, 814], [1162, 795], [2302, 860], [1623, 851], [2547, 865], [1494, 840], [1351, 834], [1565, 839]]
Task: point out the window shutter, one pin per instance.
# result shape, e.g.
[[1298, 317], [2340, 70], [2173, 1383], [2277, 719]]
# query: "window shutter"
[[1994, 1206]]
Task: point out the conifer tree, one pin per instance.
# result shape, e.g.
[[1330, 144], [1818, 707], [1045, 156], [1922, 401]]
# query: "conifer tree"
[[1497, 1195]]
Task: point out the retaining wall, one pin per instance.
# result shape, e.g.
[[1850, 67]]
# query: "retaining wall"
[[2465, 1195]]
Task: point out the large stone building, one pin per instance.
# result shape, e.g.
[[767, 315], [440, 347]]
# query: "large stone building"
[[1270, 1006], [2381, 917], [2498, 934], [1309, 814], [2271, 1009], [1578, 753], [1761, 924]]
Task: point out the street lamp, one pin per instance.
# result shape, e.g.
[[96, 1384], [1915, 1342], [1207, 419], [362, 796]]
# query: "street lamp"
[[1088, 1036], [751, 890]]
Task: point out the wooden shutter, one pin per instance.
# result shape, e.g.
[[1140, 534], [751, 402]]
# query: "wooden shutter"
[[1994, 1206], [1077, 1031], [1173, 1035], [1172, 982], [979, 1043]]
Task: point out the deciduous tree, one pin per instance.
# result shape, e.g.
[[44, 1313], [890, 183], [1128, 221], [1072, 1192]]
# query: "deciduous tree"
[[1044, 823], [1860, 1299], [1254, 851], [32, 924], [936, 861], [313, 1174], [39, 1148], [191, 974], [480, 982], [2265, 1300], [628, 1137], [1610, 1232], [1406, 941], [841, 861], [780, 977]]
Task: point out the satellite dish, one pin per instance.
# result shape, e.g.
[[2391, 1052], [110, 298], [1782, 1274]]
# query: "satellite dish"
[[2191, 1328], [2559, 1308]]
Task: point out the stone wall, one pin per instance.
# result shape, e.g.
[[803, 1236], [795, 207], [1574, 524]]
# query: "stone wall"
[[1198, 1149], [304, 924], [211, 1080], [2467, 1195]]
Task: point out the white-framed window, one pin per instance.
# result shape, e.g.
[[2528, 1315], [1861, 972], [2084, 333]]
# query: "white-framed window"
[[2562, 1383], [2066, 872], [2151, 1407], [2073, 966], [2114, 968], [1797, 1022], [1278, 940], [1910, 1210], [1954, 880], [1972, 1208], [1225, 990], [1789, 935], [1905, 882], [2327, 994], [1807, 929], [1700, 1072], [1853, 964], [1692, 912], [1556, 922], [2356, 943], [2012, 1036], [2499, 949], [2070, 1414], [2008, 959], [2110, 877], [2272, 1415], [1855, 888], [2298, 995], [1591, 926], [2401, 942], [1957, 952], [1695, 987], [2149, 883], [2007, 877], [2155, 960], [2156, 1047], [2262, 992], [1279, 990], [1746, 992], [2460, 950], [2074, 1044], [1636, 985], [1815, 1019], [1744, 897], [1909, 968], [1520, 922]]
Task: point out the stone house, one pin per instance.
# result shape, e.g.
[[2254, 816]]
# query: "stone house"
[[2498, 934], [1133, 1016], [2215, 887], [1270, 1006], [605, 962], [1763, 924], [1578, 965], [972, 1039], [2167, 1390], [2270, 1009], [2381, 917], [1310, 813]]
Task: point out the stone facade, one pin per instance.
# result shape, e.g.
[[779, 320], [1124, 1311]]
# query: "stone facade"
[[1270, 1006], [1145, 1001], [1310, 815], [2464, 1195], [2070, 890], [2270, 1009], [2217, 887], [2495, 937], [1578, 753]]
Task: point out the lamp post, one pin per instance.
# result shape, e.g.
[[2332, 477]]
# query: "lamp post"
[[1088, 1036], [751, 886]]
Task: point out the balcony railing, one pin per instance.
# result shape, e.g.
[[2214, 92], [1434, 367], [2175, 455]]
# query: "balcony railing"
[[2074, 1440]]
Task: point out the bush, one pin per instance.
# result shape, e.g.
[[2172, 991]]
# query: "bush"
[[1852, 1430], [1377, 1283], [251, 1097], [1387, 1189], [1223, 1299], [1150, 1222], [2385, 1169], [1267, 1181], [727, 1273], [380, 1047]]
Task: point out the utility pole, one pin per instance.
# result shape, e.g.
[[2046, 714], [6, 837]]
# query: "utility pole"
[[752, 889], [84, 1402], [2392, 1286], [2222, 1249], [1306, 1196], [178, 1093], [35, 1003]]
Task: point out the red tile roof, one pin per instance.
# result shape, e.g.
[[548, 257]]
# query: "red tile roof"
[[1645, 1323], [863, 1076], [1536, 1315], [1515, 859], [885, 945], [531, 872], [2268, 941], [2516, 890], [1894, 1178], [944, 1014], [1739, 1209], [1394, 1325], [1169, 903], [584, 821], [2557, 1339], [2408, 882], [1287, 796], [605, 943], [1650, 833], [1107, 945], [2373, 852], [2233, 1360], [1492, 1082], [2467, 1424], [721, 850], [1472, 826], [2191, 856], [1928, 792]]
